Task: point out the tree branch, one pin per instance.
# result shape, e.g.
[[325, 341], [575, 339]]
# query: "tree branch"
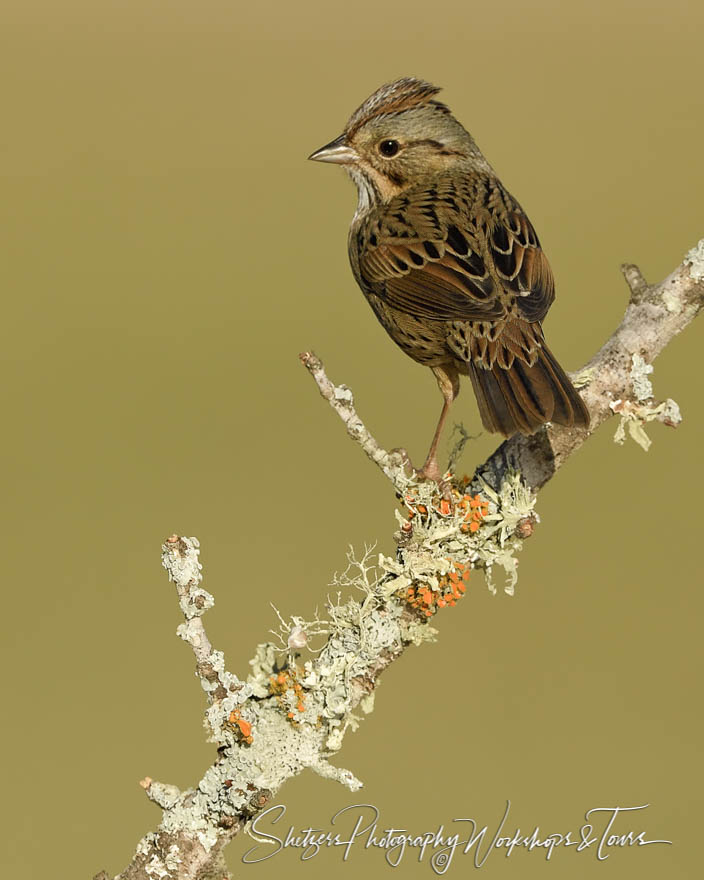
[[290, 715], [654, 316]]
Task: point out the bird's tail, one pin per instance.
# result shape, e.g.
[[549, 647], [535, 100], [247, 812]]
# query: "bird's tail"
[[522, 398]]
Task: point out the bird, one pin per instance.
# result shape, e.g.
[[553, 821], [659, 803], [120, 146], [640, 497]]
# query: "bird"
[[450, 263]]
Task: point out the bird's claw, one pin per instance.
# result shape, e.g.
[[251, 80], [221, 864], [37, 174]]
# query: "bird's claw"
[[406, 462]]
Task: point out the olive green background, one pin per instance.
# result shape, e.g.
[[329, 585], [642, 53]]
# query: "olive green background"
[[167, 252]]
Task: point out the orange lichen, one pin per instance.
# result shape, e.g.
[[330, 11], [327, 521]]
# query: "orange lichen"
[[283, 684], [450, 588], [473, 508], [244, 726], [470, 511]]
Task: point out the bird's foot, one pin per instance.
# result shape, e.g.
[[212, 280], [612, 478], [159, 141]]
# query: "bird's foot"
[[431, 471], [405, 460]]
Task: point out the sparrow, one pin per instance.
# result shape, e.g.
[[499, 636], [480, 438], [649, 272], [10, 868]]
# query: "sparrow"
[[450, 263]]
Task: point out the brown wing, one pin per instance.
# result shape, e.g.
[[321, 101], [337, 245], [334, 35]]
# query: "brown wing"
[[444, 253], [521, 265]]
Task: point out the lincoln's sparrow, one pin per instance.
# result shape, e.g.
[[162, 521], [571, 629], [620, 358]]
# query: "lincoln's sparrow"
[[450, 263]]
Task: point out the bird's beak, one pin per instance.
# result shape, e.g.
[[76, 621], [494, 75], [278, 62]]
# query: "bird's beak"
[[337, 151]]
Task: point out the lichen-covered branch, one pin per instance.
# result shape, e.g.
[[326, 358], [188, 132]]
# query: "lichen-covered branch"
[[611, 381], [340, 399], [298, 702]]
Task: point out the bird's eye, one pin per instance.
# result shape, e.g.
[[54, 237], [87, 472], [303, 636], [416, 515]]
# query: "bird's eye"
[[389, 148]]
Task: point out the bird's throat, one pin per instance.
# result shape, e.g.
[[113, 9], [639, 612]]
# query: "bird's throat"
[[373, 188], [367, 194]]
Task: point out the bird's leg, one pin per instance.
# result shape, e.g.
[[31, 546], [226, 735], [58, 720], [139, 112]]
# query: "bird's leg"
[[431, 468], [449, 383]]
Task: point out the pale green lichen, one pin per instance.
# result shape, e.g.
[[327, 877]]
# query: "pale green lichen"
[[173, 858], [635, 414], [672, 301], [438, 540], [366, 704], [298, 703], [416, 632], [498, 541], [263, 665], [187, 572], [642, 386], [695, 258], [160, 869], [583, 378], [261, 746], [146, 844], [295, 633], [358, 633], [154, 866], [191, 817], [163, 794], [192, 632]]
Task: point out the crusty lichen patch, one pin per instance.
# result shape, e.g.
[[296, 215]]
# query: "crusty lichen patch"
[[695, 258], [476, 528], [317, 696], [636, 413], [299, 701], [640, 370]]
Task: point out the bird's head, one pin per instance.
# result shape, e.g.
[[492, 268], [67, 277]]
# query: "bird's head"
[[398, 138]]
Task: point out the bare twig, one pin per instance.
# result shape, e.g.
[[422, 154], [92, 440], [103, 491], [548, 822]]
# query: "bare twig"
[[341, 400]]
